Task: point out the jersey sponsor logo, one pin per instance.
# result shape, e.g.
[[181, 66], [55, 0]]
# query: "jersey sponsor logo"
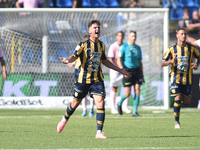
[[182, 58], [183, 66], [89, 48], [94, 64], [95, 54], [176, 54]]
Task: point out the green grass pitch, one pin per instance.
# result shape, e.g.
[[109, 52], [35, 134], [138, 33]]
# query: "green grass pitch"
[[36, 129]]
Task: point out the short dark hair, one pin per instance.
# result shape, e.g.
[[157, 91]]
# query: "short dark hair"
[[132, 31], [93, 22], [180, 29], [121, 33]]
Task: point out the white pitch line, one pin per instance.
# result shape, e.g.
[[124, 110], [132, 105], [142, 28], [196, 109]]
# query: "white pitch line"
[[107, 116], [115, 148]]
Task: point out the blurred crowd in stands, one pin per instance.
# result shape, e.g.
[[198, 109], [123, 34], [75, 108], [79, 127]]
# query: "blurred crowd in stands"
[[72, 3], [183, 13]]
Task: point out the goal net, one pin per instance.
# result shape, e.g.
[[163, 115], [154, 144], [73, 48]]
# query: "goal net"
[[34, 40]]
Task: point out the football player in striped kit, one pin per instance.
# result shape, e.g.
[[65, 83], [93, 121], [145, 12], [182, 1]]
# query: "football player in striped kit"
[[89, 77], [179, 56]]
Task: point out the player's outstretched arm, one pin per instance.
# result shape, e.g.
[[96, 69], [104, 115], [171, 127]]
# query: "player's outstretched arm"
[[192, 40], [110, 65], [70, 59]]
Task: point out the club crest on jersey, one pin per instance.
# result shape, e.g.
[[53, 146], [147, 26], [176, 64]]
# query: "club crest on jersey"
[[76, 94], [173, 90]]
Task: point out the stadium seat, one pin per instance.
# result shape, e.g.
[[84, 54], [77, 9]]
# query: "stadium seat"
[[27, 55], [97, 3], [51, 3], [188, 3], [64, 3], [197, 2], [176, 13], [177, 3], [111, 3], [84, 30], [85, 3], [58, 52], [63, 53], [104, 40], [40, 55]]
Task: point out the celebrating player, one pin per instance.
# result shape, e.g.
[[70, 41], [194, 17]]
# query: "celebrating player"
[[89, 77], [84, 100], [130, 58], [179, 56]]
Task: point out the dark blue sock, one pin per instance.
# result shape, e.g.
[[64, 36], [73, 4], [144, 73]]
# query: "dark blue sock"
[[100, 117], [177, 107], [69, 111]]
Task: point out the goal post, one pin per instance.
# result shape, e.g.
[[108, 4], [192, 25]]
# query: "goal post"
[[166, 69], [34, 39]]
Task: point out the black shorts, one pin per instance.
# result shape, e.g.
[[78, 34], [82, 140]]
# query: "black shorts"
[[136, 78], [81, 90], [177, 89]]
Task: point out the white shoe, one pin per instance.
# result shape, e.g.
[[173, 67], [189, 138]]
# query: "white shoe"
[[114, 111], [177, 126], [126, 110]]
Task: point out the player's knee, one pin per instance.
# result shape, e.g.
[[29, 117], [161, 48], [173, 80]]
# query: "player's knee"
[[178, 97], [100, 103]]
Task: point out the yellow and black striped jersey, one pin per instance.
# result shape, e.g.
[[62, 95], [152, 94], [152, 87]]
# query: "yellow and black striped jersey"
[[181, 71], [89, 57]]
